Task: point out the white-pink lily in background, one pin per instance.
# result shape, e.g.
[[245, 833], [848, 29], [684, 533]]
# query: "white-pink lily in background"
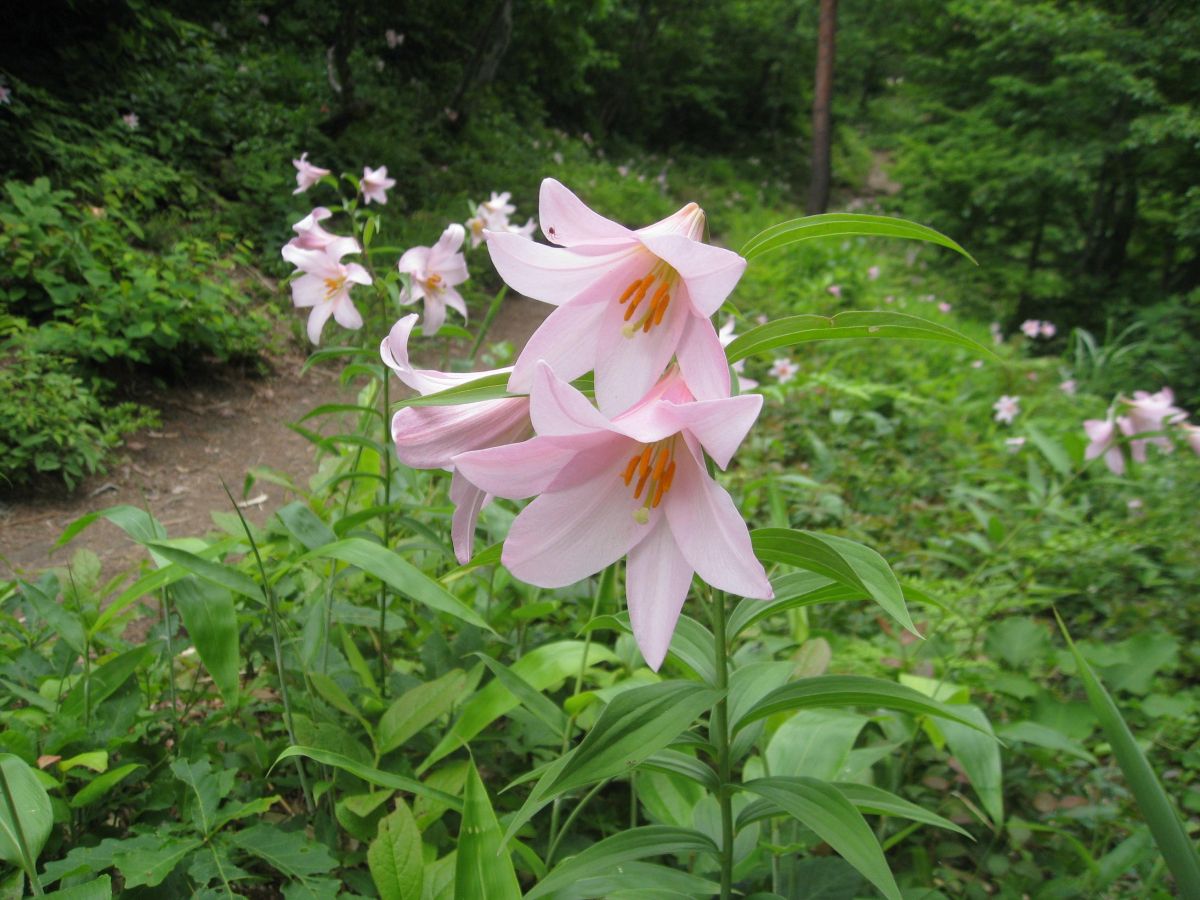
[[783, 370], [435, 271], [1031, 328], [1154, 412], [1191, 434], [1103, 435], [628, 301], [429, 437], [306, 174], [635, 484], [130, 120], [325, 287], [311, 236], [1006, 408], [375, 184]]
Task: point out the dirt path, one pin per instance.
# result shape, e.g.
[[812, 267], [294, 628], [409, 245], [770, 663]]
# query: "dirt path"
[[220, 428]]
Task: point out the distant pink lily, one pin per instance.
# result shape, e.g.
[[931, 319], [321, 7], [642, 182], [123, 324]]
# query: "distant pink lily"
[[325, 286], [1191, 434], [435, 272], [635, 484], [311, 236], [1154, 412], [375, 184], [306, 174], [1104, 436], [429, 437], [628, 301]]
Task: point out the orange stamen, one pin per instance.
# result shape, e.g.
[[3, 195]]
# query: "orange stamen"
[[645, 460], [629, 290], [631, 468]]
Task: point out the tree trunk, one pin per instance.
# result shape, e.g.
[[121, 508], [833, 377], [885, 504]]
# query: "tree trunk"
[[822, 135]]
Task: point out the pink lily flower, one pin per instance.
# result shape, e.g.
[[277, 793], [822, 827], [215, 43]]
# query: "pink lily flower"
[[1006, 409], [435, 271], [311, 236], [628, 301], [525, 231], [1153, 412], [635, 484], [1103, 434], [429, 437], [375, 185], [1031, 328], [325, 286], [306, 174], [1191, 434], [1048, 330], [784, 370]]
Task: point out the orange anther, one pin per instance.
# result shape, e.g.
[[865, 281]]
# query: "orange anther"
[[631, 468], [629, 290], [644, 459], [668, 477], [641, 484]]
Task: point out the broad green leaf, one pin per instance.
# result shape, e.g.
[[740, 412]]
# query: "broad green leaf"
[[691, 642], [638, 880], [331, 692], [678, 763], [105, 680], [394, 857], [291, 852], [416, 708], [100, 889], [793, 590], [484, 867], [27, 823], [400, 575], [101, 785], [846, 562], [209, 614], [609, 855], [825, 810], [636, 724], [371, 775], [532, 699], [541, 668], [853, 325], [826, 225], [487, 387], [305, 526], [815, 743], [206, 789], [231, 811], [838, 691], [1168, 828], [149, 866]]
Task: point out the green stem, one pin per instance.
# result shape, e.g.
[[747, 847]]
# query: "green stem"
[[387, 522], [571, 818], [719, 734], [490, 317], [27, 862]]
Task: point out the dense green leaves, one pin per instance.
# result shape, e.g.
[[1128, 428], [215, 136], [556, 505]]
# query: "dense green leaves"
[[395, 856], [25, 815], [484, 867]]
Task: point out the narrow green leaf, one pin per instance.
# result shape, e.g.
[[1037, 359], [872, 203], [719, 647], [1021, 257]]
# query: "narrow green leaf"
[[1044, 736], [531, 698], [484, 867], [851, 325], [979, 753], [61, 620], [416, 708], [825, 225], [487, 387], [371, 775], [848, 563], [105, 680], [547, 665], [636, 724], [609, 855], [209, 614], [838, 691], [326, 409], [137, 523], [218, 573], [96, 760], [400, 575], [1168, 828], [394, 857], [101, 785], [305, 526], [825, 810], [675, 762]]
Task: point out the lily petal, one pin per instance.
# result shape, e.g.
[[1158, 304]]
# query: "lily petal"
[[393, 349], [517, 470], [316, 321], [566, 341], [711, 272], [554, 276], [565, 536], [346, 314], [720, 425], [628, 367], [567, 220], [468, 502], [559, 410], [657, 582], [702, 360], [711, 533], [429, 437]]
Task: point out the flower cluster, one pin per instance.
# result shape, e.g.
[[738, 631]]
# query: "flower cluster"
[[1137, 423], [1033, 329], [626, 475], [493, 215]]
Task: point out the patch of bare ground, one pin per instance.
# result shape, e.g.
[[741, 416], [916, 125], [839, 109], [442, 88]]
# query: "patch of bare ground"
[[216, 427]]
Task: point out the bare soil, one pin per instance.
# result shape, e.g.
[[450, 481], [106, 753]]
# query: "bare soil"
[[219, 426]]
